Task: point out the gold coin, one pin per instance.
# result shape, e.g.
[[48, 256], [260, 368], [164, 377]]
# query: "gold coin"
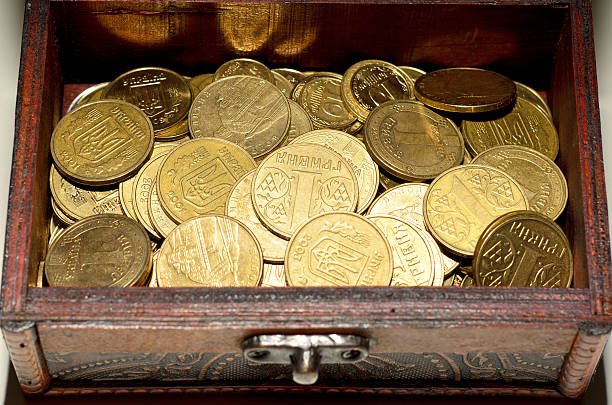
[[412, 72], [162, 94], [462, 201], [405, 202], [411, 141], [319, 94], [78, 202], [198, 83], [387, 180], [465, 90], [101, 143], [415, 263], [299, 181], [283, 84], [245, 110], [161, 222], [61, 216], [292, 75], [273, 275], [106, 250], [300, 123], [93, 93], [356, 156], [126, 187], [541, 179], [523, 249], [524, 125], [210, 251], [402, 201], [197, 176], [338, 249], [370, 83], [146, 180], [529, 94], [244, 67], [239, 205]]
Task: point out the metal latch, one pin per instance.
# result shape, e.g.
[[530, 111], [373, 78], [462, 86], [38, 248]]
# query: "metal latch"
[[305, 352]]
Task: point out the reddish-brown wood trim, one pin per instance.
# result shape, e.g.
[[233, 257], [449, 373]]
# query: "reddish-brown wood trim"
[[27, 356], [589, 147], [27, 126], [580, 363], [271, 307]]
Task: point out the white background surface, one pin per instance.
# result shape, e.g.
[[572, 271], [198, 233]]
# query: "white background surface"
[[11, 17]]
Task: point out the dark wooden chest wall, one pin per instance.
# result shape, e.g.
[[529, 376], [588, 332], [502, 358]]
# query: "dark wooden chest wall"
[[441, 340]]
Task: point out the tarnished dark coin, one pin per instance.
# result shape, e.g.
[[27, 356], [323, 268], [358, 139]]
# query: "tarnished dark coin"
[[465, 90], [523, 249]]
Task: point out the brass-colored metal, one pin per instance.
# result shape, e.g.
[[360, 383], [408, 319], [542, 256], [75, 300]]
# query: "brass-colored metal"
[[463, 201], [248, 111], [163, 95], [411, 141], [468, 281], [299, 181], [239, 205], [161, 222], [387, 180], [524, 125], [523, 249], [319, 94], [357, 157], [101, 143], [177, 131], [61, 216], [300, 123], [78, 202], [126, 187], [283, 84], [465, 90], [93, 93], [273, 275], [198, 83], [211, 251], [412, 72], [338, 249], [106, 250], [146, 180], [415, 262], [244, 67], [527, 93], [292, 75], [370, 83], [541, 179], [405, 202], [197, 176]]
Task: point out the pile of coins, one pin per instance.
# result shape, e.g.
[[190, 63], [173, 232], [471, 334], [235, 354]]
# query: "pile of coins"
[[249, 176]]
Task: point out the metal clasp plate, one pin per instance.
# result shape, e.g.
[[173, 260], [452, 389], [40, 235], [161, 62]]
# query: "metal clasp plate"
[[305, 352]]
